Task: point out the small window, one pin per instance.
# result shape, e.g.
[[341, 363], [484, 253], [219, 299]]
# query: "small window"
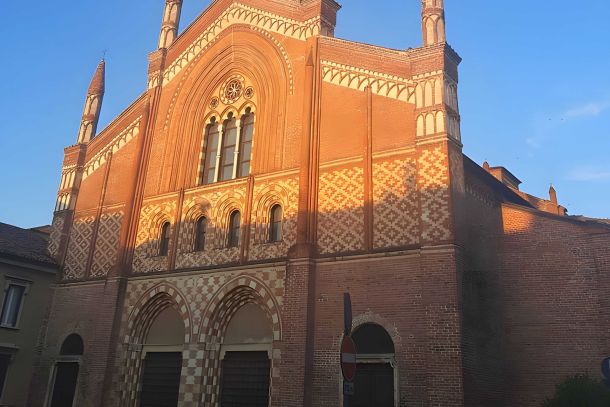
[[200, 231], [164, 243], [275, 224], [234, 229], [5, 361], [11, 308]]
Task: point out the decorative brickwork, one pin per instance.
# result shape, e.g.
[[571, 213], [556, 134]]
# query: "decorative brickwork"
[[216, 206], [78, 248], [395, 203], [152, 217], [433, 184], [206, 303], [341, 210], [106, 243], [56, 231], [266, 195]]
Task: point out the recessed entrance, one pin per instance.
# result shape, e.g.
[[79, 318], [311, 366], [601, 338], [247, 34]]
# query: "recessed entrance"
[[374, 383], [162, 365], [66, 372], [246, 365]]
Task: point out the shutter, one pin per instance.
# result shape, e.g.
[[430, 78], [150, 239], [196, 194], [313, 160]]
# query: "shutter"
[[245, 379], [161, 379]]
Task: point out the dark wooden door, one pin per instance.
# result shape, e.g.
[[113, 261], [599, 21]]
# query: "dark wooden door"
[[64, 388], [161, 379], [245, 379], [374, 385]]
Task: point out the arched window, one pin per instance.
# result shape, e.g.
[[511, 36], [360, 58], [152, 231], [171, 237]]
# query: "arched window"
[[234, 229], [374, 383], [211, 151], [72, 346], [200, 232], [164, 241], [229, 145], [65, 377], [245, 144], [275, 224]]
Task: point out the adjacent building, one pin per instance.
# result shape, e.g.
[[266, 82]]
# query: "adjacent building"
[[26, 275], [207, 235]]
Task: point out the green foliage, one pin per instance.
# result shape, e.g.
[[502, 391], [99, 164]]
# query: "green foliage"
[[580, 391]]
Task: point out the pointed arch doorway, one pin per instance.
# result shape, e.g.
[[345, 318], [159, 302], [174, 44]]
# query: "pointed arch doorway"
[[162, 364], [246, 359]]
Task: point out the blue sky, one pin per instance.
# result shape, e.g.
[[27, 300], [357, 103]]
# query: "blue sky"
[[534, 85]]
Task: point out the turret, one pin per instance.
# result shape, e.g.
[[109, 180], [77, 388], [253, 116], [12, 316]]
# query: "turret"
[[93, 105], [433, 22], [171, 20]]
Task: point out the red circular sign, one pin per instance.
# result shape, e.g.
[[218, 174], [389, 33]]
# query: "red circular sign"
[[348, 359]]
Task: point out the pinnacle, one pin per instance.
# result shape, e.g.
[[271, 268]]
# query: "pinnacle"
[[98, 82]]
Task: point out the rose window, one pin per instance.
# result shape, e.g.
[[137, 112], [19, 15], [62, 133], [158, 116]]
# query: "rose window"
[[233, 90]]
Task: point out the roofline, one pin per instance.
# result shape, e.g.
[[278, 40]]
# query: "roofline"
[[37, 265]]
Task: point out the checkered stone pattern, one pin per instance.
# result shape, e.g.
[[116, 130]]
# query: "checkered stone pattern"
[[152, 217], [216, 206], [106, 243], [433, 184], [206, 301], [78, 248], [267, 194], [56, 231], [395, 210], [341, 210], [458, 181]]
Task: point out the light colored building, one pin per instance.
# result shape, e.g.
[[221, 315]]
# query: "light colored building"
[[26, 274]]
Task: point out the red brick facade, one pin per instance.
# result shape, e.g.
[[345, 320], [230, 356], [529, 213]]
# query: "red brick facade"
[[490, 296]]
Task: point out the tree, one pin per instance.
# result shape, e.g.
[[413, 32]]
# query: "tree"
[[580, 391]]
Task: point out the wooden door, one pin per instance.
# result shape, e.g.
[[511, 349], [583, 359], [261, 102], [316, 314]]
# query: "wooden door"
[[64, 388], [161, 379], [245, 379], [374, 385]]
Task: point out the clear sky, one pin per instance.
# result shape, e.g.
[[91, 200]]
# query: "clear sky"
[[534, 85]]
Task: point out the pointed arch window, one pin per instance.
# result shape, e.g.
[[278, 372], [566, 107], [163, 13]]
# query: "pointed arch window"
[[275, 224], [245, 143], [200, 233], [211, 151], [164, 241], [229, 147], [234, 229]]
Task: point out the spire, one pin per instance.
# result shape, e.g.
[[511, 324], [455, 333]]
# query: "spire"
[[93, 104], [433, 22], [171, 20]]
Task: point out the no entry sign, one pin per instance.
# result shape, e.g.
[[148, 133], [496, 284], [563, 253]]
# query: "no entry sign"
[[348, 359]]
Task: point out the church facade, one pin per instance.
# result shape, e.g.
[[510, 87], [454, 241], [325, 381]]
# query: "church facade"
[[207, 235]]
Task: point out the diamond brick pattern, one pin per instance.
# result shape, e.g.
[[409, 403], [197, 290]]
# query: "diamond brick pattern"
[[341, 210], [78, 248], [267, 194], [106, 243], [395, 210], [433, 182], [55, 238], [152, 217]]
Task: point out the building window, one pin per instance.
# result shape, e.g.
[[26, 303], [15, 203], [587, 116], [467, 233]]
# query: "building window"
[[5, 361], [164, 243], [228, 148], [234, 229], [200, 231], [229, 145], [245, 144], [211, 151], [13, 302], [275, 224]]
